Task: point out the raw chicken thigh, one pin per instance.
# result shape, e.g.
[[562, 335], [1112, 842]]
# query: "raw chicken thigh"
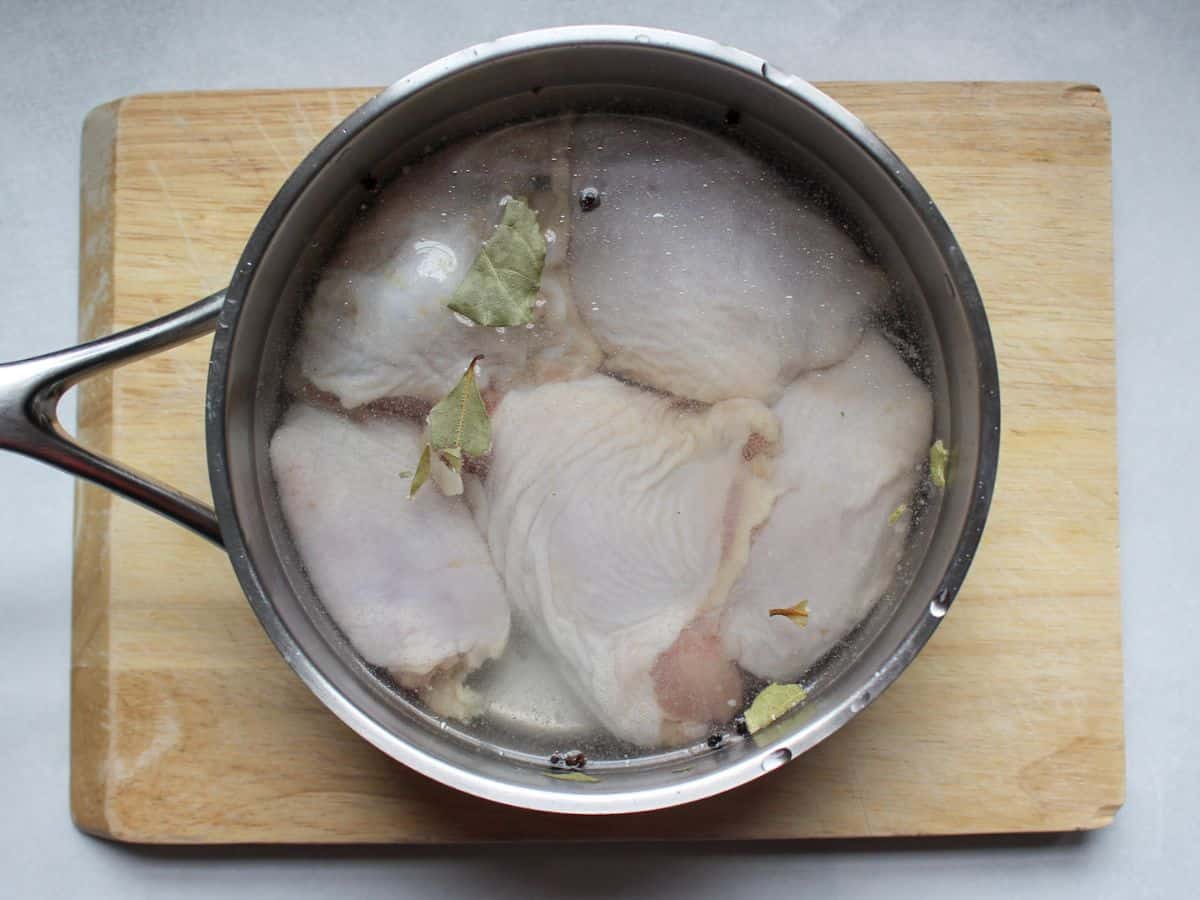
[[701, 271], [618, 519], [377, 325], [410, 583], [854, 437], [693, 431]]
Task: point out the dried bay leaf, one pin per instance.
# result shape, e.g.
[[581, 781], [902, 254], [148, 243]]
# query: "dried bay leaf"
[[572, 776], [502, 284], [421, 475], [459, 424], [938, 457], [772, 703], [456, 428], [797, 614]]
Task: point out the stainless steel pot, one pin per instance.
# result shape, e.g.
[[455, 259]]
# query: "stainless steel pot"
[[515, 77]]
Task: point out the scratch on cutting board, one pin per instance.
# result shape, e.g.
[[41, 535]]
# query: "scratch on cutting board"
[[283, 161], [97, 293], [335, 115], [248, 160], [166, 736], [187, 240], [312, 136], [857, 791], [1064, 783]]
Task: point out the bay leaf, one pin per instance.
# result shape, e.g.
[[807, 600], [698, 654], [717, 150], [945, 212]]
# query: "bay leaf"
[[459, 424], [421, 474], [502, 283], [772, 703], [938, 457], [797, 614], [572, 776], [457, 427]]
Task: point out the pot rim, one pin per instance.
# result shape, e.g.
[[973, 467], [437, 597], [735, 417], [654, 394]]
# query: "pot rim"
[[567, 798]]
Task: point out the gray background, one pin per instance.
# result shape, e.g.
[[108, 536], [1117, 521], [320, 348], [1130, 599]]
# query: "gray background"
[[59, 60]]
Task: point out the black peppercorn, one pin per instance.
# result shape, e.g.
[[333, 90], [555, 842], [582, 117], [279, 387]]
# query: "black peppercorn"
[[589, 199], [575, 760]]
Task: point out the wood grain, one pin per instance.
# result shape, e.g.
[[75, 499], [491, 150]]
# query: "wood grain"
[[188, 727]]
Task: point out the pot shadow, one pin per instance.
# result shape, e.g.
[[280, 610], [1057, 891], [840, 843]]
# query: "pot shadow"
[[586, 870]]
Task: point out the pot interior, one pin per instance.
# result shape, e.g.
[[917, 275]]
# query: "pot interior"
[[934, 309]]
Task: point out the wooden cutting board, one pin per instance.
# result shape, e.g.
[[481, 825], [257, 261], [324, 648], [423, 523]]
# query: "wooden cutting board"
[[187, 726]]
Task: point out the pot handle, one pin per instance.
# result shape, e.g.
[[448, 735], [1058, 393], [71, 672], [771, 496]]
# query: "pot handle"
[[30, 390]]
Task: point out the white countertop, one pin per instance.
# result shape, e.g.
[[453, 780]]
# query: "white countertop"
[[57, 62]]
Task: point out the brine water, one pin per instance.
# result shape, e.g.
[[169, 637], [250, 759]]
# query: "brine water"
[[708, 407]]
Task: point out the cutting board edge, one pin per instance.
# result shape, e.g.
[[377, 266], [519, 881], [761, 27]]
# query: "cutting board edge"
[[231, 837], [1067, 85], [90, 681]]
